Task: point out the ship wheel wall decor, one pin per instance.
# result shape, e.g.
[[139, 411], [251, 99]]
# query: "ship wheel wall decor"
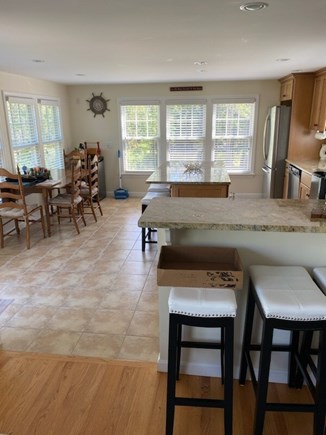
[[98, 105]]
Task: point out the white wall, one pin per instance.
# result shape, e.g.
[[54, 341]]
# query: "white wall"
[[86, 127], [42, 88]]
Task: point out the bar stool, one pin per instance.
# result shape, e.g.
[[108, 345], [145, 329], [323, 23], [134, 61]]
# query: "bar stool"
[[146, 233], [319, 275], [204, 308], [159, 187], [287, 299]]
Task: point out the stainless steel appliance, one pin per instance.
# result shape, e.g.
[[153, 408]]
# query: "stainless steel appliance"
[[275, 146], [318, 185], [294, 182]]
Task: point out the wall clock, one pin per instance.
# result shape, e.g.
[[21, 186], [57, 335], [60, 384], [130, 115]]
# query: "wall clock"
[[98, 105]]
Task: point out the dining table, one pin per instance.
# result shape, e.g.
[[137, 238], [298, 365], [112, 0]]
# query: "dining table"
[[193, 179], [60, 178]]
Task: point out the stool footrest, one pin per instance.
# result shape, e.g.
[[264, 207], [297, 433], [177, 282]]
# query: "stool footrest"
[[207, 403], [201, 345], [290, 407]]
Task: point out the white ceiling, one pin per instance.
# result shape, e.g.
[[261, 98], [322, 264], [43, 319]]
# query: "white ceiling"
[[141, 41]]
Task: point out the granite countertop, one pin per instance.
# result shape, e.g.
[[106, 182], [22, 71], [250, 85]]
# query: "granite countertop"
[[179, 173], [276, 215], [309, 166]]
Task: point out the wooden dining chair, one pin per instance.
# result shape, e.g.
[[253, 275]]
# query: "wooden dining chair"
[[13, 207], [89, 189], [73, 156], [69, 205]]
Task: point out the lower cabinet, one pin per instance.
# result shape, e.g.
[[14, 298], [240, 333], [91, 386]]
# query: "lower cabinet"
[[200, 190], [305, 183]]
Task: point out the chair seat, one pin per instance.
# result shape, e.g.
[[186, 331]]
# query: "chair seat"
[[288, 293], [202, 302], [16, 213], [157, 187], [64, 199], [319, 274], [151, 195]]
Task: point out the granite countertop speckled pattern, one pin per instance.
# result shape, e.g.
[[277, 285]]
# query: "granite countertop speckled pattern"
[[176, 173], [309, 166], [275, 215]]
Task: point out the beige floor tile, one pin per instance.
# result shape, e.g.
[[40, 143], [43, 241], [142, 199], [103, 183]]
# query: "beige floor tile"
[[110, 321], [79, 304], [17, 339], [148, 302], [140, 348], [70, 319], [121, 300], [59, 342], [31, 317], [99, 345], [144, 324]]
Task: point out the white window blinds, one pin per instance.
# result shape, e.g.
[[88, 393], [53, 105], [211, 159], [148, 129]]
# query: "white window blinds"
[[185, 131], [51, 133], [35, 132], [140, 136], [23, 131], [233, 134]]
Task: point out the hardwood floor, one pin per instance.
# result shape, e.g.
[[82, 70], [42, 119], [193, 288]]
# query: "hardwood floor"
[[67, 395]]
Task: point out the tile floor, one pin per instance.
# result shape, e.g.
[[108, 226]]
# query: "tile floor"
[[92, 294]]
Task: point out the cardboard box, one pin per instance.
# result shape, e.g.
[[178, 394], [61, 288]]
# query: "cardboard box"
[[199, 266]]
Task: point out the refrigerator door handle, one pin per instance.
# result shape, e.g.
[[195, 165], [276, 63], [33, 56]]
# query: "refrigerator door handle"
[[265, 170], [266, 127]]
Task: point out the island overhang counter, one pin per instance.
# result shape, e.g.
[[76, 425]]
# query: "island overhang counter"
[[264, 231]]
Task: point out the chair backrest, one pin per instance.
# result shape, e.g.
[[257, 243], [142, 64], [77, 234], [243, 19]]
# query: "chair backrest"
[[76, 174], [92, 148], [92, 173], [12, 195], [73, 157]]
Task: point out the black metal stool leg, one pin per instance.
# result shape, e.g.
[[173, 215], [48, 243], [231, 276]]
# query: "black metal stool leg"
[[171, 377], [262, 386], [293, 367], [228, 382], [179, 338], [319, 414], [222, 354], [249, 319]]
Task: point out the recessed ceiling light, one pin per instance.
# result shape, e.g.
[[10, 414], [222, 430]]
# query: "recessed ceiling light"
[[38, 60], [200, 62], [254, 6]]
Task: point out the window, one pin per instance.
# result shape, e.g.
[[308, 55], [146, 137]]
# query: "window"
[[35, 132], [189, 130], [140, 136], [233, 134], [185, 131]]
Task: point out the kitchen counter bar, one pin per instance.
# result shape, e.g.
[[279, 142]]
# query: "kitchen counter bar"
[[264, 231], [273, 215]]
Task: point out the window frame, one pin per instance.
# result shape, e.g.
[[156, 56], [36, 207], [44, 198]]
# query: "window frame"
[[35, 102], [163, 102]]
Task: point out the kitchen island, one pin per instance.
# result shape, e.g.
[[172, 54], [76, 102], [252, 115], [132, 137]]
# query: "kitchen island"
[[264, 231], [203, 180]]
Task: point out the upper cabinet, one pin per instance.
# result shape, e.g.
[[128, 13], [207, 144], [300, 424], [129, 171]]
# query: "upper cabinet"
[[297, 91], [286, 88], [318, 108]]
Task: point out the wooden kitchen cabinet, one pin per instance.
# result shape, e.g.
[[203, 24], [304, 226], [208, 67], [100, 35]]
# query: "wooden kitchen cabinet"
[[204, 190], [318, 108], [305, 183], [302, 143], [286, 88]]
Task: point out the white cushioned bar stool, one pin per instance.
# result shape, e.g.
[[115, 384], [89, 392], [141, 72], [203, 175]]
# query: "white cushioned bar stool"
[[146, 233], [203, 308], [319, 275], [287, 299], [159, 187]]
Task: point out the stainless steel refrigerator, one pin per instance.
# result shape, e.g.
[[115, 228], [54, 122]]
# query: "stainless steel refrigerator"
[[275, 147]]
